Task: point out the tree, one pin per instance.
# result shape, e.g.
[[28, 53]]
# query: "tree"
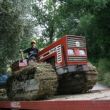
[[46, 14], [10, 26], [88, 18], [93, 23], [12, 30]]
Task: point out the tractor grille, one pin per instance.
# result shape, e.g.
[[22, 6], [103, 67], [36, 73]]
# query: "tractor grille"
[[77, 59], [59, 53], [71, 41]]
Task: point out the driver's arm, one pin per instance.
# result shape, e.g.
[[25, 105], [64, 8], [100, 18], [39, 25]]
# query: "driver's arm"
[[26, 50]]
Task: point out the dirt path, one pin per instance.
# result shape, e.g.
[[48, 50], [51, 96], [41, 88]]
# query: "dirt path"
[[99, 86]]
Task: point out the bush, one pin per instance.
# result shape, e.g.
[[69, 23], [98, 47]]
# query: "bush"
[[104, 71]]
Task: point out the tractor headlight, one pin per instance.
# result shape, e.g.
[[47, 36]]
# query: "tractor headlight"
[[70, 52], [82, 52]]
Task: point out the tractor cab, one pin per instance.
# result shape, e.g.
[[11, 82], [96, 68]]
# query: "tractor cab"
[[67, 55]]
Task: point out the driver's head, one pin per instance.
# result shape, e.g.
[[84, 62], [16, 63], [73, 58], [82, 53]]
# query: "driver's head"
[[33, 43]]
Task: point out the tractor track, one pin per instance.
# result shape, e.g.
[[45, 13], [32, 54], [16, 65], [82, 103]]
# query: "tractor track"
[[33, 82], [78, 82]]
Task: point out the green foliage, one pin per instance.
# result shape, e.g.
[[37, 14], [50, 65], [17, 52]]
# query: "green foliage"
[[89, 18], [104, 70], [47, 17], [12, 30], [95, 26]]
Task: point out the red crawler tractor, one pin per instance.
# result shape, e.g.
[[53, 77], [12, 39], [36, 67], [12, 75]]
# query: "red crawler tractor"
[[69, 72]]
